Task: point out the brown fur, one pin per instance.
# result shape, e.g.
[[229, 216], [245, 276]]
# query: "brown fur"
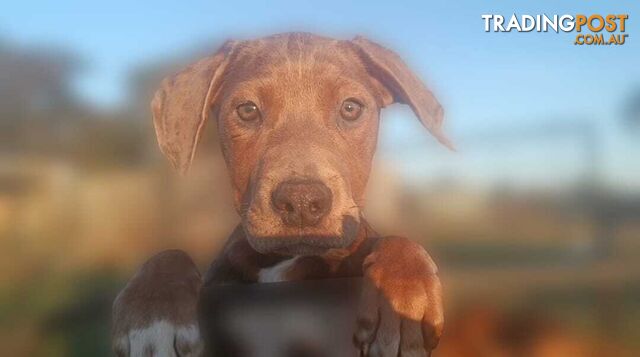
[[298, 82]]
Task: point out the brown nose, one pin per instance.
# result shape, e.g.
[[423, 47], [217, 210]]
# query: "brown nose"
[[301, 203]]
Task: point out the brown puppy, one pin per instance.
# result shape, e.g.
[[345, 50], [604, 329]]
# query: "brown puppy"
[[297, 116]]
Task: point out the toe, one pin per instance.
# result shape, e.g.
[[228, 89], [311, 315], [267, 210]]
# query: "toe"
[[188, 342], [411, 339], [387, 339], [368, 316]]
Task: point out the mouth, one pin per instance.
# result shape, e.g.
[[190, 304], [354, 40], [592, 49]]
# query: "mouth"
[[302, 243]]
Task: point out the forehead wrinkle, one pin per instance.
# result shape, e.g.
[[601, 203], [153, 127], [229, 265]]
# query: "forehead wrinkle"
[[272, 63], [264, 55], [299, 43], [283, 80], [285, 55]]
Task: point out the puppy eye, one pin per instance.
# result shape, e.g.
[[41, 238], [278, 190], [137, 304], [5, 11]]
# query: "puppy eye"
[[351, 109], [248, 111]]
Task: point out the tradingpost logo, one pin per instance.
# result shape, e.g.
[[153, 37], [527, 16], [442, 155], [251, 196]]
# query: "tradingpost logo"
[[591, 30]]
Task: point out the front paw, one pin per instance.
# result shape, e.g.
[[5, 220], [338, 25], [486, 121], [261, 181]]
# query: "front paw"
[[155, 314], [401, 305]]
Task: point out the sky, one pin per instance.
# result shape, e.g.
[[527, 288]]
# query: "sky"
[[488, 82]]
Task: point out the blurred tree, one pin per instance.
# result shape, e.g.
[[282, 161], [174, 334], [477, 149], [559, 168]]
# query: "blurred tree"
[[632, 109], [35, 81], [40, 113], [35, 97]]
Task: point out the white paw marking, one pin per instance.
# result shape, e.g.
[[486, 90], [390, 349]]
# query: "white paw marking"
[[161, 338]]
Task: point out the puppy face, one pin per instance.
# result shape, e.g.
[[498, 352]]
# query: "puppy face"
[[298, 118], [298, 121]]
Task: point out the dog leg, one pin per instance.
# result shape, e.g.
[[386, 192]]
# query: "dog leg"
[[155, 314], [401, 306]]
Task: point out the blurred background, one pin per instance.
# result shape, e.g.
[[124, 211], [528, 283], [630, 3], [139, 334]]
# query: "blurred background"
[[535, 221]]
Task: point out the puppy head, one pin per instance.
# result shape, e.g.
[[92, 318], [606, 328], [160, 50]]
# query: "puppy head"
[[297, 116]]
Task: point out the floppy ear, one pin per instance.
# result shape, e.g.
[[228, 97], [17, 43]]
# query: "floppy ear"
[[405, 87], [181, 106]]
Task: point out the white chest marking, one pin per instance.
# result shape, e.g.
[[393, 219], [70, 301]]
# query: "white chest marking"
[[276, 273]]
